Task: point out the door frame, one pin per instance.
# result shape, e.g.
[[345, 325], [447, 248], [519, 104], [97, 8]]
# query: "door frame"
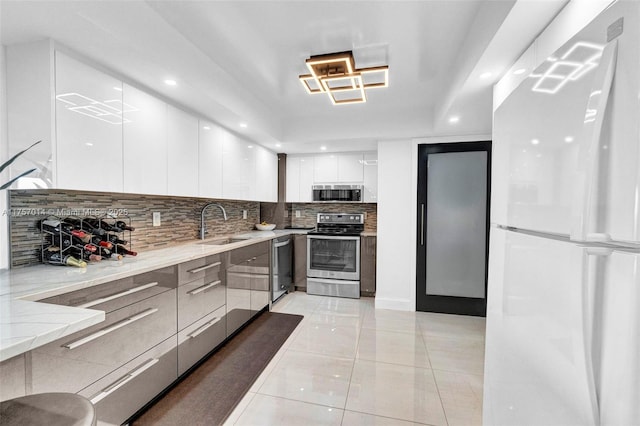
[[446, 304]]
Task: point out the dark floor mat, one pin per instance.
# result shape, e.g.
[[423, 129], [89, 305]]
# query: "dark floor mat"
[[211, 392]]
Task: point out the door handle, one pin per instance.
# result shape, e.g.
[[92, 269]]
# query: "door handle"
[[123, 380], [422, 224], [203, 288], [204, 328], [204, 268]]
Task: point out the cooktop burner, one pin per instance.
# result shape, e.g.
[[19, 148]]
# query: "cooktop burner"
[[340, 224]]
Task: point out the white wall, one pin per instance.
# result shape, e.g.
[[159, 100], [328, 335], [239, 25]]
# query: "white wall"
[[571, 19], [397, 219], [4, 226]]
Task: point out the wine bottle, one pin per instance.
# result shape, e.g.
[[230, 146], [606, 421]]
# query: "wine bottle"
[[108, 254], [72, 241], [123, 250], [56, 226], [122, 225], [53, 256], [103, 226], [114, 239], [98, 241], [86, 255], [85, 225]]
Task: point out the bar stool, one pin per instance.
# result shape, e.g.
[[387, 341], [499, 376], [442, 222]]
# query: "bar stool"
[[50, 409]]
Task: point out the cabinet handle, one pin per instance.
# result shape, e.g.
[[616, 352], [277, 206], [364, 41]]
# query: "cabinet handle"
[[203, 328], [109, 329], [204, 287], [203, 268], [117, 295], [278, 245], [123, 380]]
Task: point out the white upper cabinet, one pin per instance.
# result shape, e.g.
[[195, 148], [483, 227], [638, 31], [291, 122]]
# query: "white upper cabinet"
[[182, 131], [325, 168], [266, 175], [210, 167], [370, 166], [88, 127], [350, 168], [299, 180], [145, 143], [238, 171]]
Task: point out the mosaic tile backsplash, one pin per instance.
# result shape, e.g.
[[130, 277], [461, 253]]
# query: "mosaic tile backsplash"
[[180, 218]]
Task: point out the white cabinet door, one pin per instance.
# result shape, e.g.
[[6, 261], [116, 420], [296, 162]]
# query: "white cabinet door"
[[210, 169], [266, 175], [350, 168], [183, 153], [88, 127], [305, 195], [145, 143], [238, 172], [325, 168], [293, 179], [370, 182]]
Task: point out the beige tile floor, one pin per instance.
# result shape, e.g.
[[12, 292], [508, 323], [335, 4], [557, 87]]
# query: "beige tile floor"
[[350, 364]]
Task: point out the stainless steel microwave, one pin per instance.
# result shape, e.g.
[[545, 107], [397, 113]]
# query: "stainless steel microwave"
[[337, 193]]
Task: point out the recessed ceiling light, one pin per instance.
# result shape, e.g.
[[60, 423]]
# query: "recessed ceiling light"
[[206, 128], [278, 145], [454, 119], [323, 148], [249, 146], [170, 82], [485, 75], [119, 89], [535, 141], [244, 125], [519, 71], [568, 139], [88, 144]]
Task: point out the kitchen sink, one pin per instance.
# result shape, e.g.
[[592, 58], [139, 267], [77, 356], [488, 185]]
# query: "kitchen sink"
[[223, 241]]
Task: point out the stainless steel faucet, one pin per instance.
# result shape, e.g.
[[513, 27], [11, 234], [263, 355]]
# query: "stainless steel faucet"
[[203, 229]]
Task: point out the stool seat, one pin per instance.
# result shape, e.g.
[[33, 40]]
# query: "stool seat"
[[50, 409]]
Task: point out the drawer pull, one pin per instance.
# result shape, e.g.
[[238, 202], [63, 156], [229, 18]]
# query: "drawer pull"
[[203, 328], [205, 267], [123, 380], [109, 329], [204, 287], [117, 295]]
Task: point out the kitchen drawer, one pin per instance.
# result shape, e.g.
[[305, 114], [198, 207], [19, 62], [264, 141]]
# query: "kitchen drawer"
[[122, 393], [200, 338], [75, 361], [241, 255], [119, 293], [200, 268], [199, 298]]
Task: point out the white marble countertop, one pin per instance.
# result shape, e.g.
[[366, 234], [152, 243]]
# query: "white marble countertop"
[[26, 324]]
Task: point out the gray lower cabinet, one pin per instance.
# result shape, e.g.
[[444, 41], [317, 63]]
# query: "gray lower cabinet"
[[123, 392], [248, 283], [368, 266], [202, 311], [78, 360], [198, 339], [300, 262]]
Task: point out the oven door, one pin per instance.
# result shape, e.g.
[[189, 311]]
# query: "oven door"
[[336, 257]]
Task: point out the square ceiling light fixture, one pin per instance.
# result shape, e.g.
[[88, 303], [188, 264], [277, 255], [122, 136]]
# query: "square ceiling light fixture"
[[336, 75]]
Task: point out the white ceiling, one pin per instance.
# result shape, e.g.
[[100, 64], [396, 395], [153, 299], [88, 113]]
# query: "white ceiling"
[[238, 61]]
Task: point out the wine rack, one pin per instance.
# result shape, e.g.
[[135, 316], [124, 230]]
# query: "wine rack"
[[86, 239]]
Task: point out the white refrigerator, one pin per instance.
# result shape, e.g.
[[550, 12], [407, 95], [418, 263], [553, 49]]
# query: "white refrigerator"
[[563, 313]]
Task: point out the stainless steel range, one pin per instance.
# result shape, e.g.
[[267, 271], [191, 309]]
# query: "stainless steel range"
[[333, 255]]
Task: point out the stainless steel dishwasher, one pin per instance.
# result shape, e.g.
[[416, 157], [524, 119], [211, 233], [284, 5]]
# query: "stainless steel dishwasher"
[[282, 266]]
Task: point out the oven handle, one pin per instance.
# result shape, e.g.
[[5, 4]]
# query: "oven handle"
[[331, 237]]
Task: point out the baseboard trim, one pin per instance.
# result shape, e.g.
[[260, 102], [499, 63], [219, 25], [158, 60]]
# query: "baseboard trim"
[[395, 304]]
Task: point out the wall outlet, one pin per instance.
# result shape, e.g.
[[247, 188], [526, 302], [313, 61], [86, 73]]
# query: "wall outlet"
[[156, 218], [244, 214], [297, 213]]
